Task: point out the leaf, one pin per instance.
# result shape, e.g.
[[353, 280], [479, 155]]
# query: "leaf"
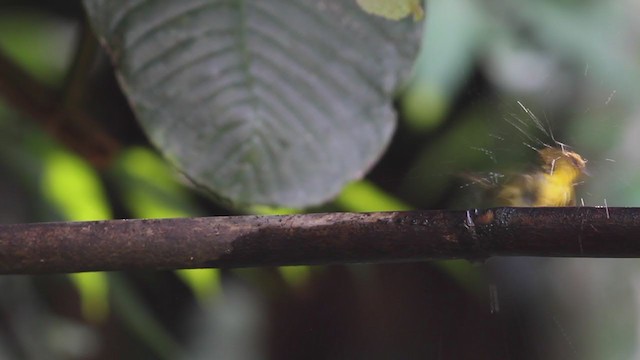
[[275, 102], [393, 9]]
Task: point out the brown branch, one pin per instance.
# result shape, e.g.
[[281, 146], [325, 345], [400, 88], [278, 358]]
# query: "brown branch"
[[70, 125], [241, 241]]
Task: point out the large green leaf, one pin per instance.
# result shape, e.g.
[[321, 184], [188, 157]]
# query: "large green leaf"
[[276, 102]]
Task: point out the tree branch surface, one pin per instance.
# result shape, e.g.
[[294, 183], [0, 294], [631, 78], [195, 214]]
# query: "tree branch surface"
[[329, 238]]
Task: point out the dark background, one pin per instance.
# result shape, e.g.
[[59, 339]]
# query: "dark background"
[[572, 63]]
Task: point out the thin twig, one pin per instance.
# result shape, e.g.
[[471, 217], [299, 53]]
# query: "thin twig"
[[70, 125], [245, 241]]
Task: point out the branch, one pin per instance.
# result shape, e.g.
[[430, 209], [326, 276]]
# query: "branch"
[[70, 125], [243, 241]]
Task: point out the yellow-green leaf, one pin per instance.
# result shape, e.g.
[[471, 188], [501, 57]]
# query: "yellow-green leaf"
[[393, 9]]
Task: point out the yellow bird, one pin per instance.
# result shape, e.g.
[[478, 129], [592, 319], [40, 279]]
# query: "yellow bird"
[[551, 185]]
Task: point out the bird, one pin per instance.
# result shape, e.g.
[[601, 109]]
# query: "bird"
[[552, 183]]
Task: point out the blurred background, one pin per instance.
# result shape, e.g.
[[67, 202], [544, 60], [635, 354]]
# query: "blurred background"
[[574, 64]]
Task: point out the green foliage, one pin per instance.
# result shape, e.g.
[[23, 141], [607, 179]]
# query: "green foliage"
[[149, 188], [260, 102], [40, 43], [362, 196], [393, 9]]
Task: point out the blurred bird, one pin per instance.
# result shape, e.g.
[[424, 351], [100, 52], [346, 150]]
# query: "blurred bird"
[[552, 184]]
